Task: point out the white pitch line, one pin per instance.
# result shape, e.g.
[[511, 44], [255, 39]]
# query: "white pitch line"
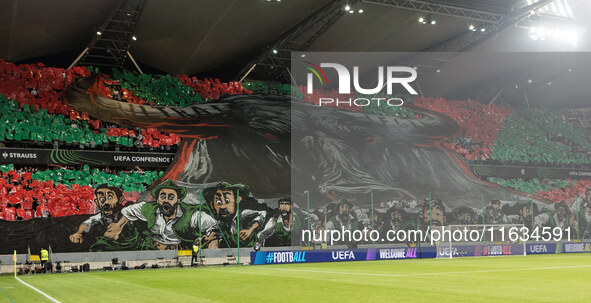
[[431, 274], [37, 290], [340, 273]]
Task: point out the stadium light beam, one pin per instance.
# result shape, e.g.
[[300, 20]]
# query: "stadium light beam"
[[569, 35]]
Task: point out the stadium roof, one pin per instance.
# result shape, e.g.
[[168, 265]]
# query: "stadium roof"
[[219, 38]]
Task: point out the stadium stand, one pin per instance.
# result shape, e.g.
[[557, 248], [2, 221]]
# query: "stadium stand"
[[38, 107], [34, 116], [211, 89], [260, 87], [27, 193], [552, 189], [496, 132], [480, 124], [536, 136], [579, 118], [165, 90], [532, 186]]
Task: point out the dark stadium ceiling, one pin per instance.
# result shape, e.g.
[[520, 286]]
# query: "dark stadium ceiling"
[[219, 37]]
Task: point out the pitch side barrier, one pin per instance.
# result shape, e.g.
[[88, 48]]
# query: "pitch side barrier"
[[397, 253], [340, 255], [533, 248]]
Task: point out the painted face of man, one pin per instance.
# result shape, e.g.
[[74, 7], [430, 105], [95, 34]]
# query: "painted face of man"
[[561, 212], [284, 208], [465, 218], [526, 211], [396, 217], [495, 209], [436, 216], [106, 200], [344, 210], [224, 203], [168, 199]]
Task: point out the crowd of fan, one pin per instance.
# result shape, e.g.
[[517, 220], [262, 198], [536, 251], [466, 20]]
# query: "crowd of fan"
[[165, 90], [145, 138], [528, 136], [22, 126], [551, 189], [541, 137], [579, 118], [532, 186], [480, 124], [260, 87], [212, 89], [111, 89], [41, 87], [39, 116], [32, 192], [555, 126]]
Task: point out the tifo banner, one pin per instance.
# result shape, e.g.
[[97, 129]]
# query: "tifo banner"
[[82, 157], [444, 251], [355, 151], [338, 255]]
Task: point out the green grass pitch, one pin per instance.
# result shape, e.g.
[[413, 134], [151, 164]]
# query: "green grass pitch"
[[536, 278]]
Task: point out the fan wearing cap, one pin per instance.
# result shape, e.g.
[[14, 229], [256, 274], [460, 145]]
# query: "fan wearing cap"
[[223, 200], [280, 229], [493, 213], [524, 215], [397, 219], [343, 219], [170, 222], [463, 215], [561, 217]]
